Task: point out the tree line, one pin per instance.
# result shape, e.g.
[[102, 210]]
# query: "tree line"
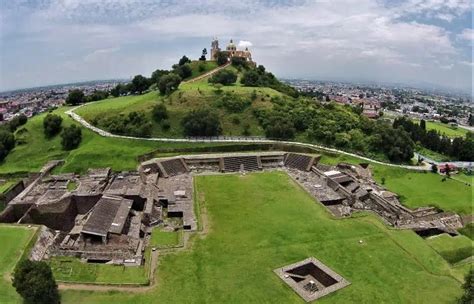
[[458, 148]]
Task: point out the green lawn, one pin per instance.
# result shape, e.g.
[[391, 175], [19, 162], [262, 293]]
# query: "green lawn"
[[262, 221], [468, 231], [426, 189], [452, 248], [446, 129], [14, 240], [165, 239], [72, 270], [94, 152]]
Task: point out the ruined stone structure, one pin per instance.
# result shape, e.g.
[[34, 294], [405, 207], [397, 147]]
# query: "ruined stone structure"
[[105, 216], [311, 279]]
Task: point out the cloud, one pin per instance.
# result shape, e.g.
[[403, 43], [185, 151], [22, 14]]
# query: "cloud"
[[370, 39], [244, 44], [467, 34]]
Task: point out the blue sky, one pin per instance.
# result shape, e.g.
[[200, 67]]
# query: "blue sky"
[[409, 41]]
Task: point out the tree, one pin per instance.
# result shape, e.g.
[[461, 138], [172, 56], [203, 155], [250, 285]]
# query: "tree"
[[139, 84], [34, 281], [203, 56], [52, 124], [201, 122], [184, 60], [119, 89], [250, 79], [423, 124], [157, 74], [160, 112], [169, 83], [71, 137], [184, 71], [280, 126], [468, 286], [224, 77], [222, 57], [75, 97], [17, 121], [7, 143], [97, 95]]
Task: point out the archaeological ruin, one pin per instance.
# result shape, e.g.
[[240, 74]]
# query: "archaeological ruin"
[[107, 217], [311, 279]]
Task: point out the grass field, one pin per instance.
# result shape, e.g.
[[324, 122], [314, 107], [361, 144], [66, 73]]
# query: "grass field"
[[452, 248], [95, 151], [446, 129], [468, 231], [72, 270], [14, 240], [258, 222], [426, 189], [165, 239]]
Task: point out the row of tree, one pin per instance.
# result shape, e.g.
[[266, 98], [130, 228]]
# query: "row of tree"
[[335, 125], [458, 148]]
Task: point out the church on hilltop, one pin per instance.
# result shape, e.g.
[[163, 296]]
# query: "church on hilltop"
[[231, 49]]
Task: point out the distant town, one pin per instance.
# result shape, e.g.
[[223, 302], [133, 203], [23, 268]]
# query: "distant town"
[[33, 101], [375, 100]]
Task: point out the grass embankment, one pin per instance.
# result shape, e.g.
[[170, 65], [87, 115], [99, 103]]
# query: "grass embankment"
[[452, 248], [259, 222], [166, 239], [73, 270], [14, 240], [94, 152]]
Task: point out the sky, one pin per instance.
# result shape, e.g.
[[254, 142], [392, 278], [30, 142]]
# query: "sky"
[[417, 42]]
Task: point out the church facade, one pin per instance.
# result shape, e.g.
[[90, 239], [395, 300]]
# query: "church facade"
[[231, 49]]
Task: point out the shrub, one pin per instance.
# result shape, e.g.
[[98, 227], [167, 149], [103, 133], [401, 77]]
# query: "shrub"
[[169, 83], [280, 127], [165, 125], [201, 122], [52, 124], [184, 71], [160, 112], [71, 137], [233, 103], [222, 57], [17, 121], [224, 77]]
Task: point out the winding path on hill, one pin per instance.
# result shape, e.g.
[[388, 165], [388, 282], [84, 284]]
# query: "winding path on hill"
[[224, 139], [211, 72]]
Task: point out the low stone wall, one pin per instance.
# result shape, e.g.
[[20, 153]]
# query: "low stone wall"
[[16, 189]]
